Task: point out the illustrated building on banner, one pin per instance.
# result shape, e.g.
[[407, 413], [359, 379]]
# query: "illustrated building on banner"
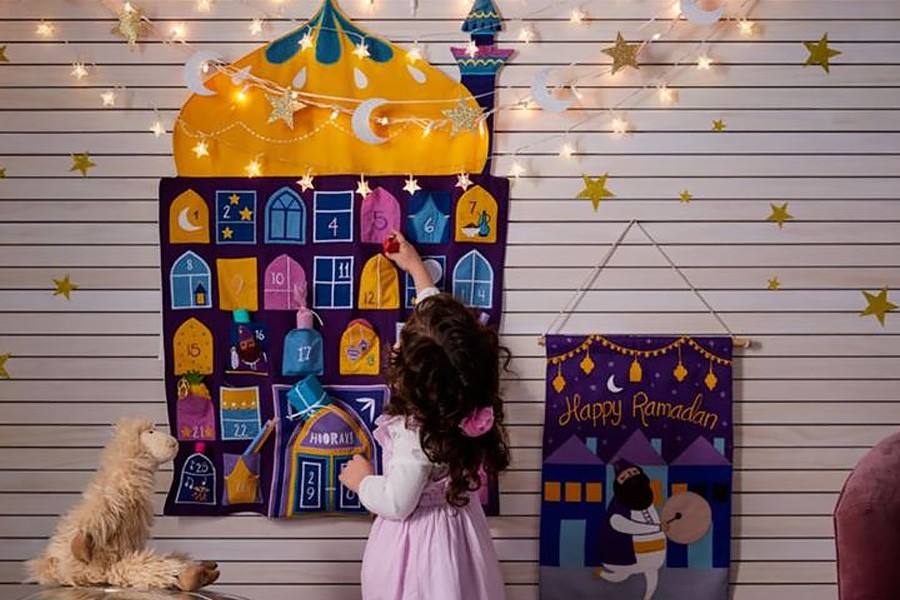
[[295, 163]]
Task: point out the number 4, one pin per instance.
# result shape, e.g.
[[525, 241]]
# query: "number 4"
[[333, 226]]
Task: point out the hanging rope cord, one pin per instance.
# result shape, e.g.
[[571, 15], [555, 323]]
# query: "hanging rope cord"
[[562, 317]]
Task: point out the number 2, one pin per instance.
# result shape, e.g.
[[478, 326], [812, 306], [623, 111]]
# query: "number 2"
[[240, 430], [226, 212]]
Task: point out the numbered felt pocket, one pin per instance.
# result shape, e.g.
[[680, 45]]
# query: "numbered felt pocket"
[[190, 282], [194, 413], [303, 353], [235, 217], [284, 284], [476, 217], [379, 285], [188, 219], [379, 215], [192, 347], [249, 350], [238, 286], [239, 409], [241, 479], [429, 217], [360, 349], [197, 481]]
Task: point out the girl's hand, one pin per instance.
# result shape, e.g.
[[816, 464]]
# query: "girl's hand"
[[407, 258], [354, 472]]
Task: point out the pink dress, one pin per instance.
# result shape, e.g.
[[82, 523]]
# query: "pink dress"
[[420, 547]]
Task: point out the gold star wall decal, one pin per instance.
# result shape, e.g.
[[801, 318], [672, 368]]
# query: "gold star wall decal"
[[820, 54], [4, 374], [64, 287], [719, 125], [623, 54], [3, 54], [81, 162], [306, 182], [685, 196], [595, 190], [132, 24], [246, 213], [780, 214], [878, 305], [774, 284], [411, 186], [283, 107], [463, 116]]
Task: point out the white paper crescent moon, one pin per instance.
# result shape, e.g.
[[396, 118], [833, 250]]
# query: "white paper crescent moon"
[[362, 121], [184, 223], [695, 14], [540, 94], [611, 385], [193, 72]]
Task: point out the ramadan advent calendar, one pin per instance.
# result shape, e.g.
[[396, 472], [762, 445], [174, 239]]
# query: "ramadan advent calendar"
[[295, 165]]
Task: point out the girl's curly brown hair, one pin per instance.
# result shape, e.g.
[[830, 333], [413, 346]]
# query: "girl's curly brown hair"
[[447, 365]]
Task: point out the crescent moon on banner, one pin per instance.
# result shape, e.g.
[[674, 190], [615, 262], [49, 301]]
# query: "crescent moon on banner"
[[193, 72], [695, 14], [185, 223], [543, 97], [611, 385], [362, 121]]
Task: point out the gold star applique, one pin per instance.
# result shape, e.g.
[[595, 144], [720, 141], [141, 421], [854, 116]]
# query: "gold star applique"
[[283, 107], [207, 432], [64, 287], [780, 215], [82, 162], [245, 213], [234, 199], [3, 54], [306, 182], [185, 432], [227, 233], [820, 54], [4, 374], [411, 186], [132, 24], [774, 284], [718, 125], [595, 190], [685, 196], [623, 54], [362, 187], [463, 182], [463, 116], [879, 305]]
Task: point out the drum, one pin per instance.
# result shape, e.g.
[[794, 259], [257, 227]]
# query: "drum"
[[688, 516]]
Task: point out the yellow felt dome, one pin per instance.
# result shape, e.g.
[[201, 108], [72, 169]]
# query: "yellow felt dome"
[[236, 128]]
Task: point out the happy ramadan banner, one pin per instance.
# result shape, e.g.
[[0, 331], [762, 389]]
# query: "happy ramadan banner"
[[636, 475]]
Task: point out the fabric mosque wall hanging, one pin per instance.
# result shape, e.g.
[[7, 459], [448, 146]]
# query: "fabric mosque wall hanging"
[[295, 163], [637, 463]]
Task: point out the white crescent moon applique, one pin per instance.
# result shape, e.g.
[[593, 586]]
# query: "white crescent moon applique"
[[611, 385], [193, 72], [362, 121], [185, 223]]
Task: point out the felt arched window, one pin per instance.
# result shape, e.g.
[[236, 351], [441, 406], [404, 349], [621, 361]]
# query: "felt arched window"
[[379, 215], [190, 282], [379, 285], [473, 280], [284, 286], [285, 218], [429, 214], [189, 219], [476, 217]]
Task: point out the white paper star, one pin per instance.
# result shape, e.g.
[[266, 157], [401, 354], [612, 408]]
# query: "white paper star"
[[108, 97], [472, 48], [411, 185], [463, 181], [306, 182], [241, 75], [256, 26], [361, 51], [362, 187], [200, 149]]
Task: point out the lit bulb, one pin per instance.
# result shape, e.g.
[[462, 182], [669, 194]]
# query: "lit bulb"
[[577, 16], [414, 53], [241, 96], [362, 50], [471, 48], [253, 168], [108, 97], [201, 149], [295, 94], [204, 67], [179, 31], [45, 29], [128, 7], [567, 150], [256, 26], [576, 93], [666, 96], [79, 70], [526, 34], [427, 131], [657, 36], [704, 62], [383, 121], [157, 128], [746, 27], [204, 5], [619, 126], [306, 42], [517, 169], [334, 114]]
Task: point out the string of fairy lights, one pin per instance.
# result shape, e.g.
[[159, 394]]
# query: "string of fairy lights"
[[134, 27]]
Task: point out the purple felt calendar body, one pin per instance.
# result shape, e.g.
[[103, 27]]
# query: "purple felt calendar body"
[[273, 247]]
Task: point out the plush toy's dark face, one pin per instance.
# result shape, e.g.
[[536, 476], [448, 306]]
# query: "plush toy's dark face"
[[635, 492]]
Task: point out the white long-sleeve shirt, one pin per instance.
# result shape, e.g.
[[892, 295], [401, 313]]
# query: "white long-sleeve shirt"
[[395, 495]]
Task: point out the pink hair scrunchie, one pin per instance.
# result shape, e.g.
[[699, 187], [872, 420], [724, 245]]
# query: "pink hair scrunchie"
[[478, 423]]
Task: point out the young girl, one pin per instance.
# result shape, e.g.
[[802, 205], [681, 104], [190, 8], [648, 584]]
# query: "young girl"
[[442, 426]]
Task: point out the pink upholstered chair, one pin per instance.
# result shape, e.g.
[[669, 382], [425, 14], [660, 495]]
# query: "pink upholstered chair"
[[867, 526]]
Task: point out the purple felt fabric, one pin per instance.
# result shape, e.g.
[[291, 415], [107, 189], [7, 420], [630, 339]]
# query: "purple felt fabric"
[[867, 526]]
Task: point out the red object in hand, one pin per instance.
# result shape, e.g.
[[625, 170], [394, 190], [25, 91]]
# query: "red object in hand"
[[391, 245]]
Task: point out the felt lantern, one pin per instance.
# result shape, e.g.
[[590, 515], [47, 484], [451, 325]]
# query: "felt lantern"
[[360, 349]]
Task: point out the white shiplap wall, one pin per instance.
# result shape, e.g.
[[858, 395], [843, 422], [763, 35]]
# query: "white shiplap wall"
[[818, 388]]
